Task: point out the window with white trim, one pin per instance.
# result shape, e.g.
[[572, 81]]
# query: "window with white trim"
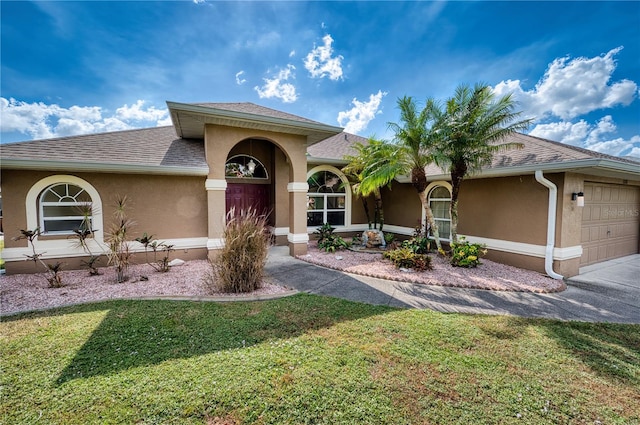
[[326, 199], [63, 208], [440, 203]]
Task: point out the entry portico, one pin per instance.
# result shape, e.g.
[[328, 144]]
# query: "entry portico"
[[279, 141]]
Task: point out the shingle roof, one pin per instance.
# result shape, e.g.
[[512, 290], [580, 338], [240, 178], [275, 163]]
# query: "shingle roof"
[[336, 147], [536, 151], [149, 147], [252, 108]]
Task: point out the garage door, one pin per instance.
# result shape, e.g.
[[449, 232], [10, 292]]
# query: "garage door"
[[610, 222]]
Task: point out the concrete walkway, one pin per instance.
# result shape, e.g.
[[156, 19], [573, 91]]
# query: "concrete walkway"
[[596, 297]]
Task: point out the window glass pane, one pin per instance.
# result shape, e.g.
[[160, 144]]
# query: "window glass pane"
[[335, 218], [440, 192], [440, 208], [315, 219], [325, 182], [244, 166], [444, 228], [315, 203], [335, 202], [62, 210], [62, 225]]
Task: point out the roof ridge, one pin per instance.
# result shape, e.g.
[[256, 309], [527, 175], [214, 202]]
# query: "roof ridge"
[[99, 133], [592, 153]]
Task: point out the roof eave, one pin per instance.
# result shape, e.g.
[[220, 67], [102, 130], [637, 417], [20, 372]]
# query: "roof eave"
[[29, 164], [328, 161], [586, 166], [315, 132]]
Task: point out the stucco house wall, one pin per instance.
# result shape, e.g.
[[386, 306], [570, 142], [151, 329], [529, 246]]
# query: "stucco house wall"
[[172, 208]]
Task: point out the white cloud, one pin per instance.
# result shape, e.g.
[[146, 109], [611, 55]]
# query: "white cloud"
[[240, 81], [40, 121], [357, 118], [595, 137], [570, 88], [292, 53], [320, 63], [276, 87], [135, 112]]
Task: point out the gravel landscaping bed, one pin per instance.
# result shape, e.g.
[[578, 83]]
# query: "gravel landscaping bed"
[[489, 275], [25, 292]]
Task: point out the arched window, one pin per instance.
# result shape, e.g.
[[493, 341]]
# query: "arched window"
[[327, 198], [440, 203], [245, 166], [63, 208]]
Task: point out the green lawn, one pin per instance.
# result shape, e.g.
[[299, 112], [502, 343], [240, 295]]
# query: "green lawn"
[[311, 360]]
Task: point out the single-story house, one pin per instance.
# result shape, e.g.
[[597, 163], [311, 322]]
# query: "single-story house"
[[548, 207]]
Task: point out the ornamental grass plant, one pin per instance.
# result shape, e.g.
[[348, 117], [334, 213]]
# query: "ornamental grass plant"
[[239, 265]]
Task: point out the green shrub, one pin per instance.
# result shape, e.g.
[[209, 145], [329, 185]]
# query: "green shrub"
[[239, 265], [325, 231], [389, 237], [327, 241], [406, 258], [333, 243], [465, 254], [417, 244]]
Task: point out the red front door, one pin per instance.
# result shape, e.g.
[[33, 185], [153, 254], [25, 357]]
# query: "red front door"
[[243, 196]]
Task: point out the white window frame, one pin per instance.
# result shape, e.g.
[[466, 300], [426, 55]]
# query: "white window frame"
[[33, 196], [67, 200], [346, 194], [432, 186]]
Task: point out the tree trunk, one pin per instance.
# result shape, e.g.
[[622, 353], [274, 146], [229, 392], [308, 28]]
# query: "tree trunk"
[[458, 171], [379, 211]]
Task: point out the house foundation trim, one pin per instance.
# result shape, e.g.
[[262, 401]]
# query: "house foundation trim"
[[215, 184], [297, 237], [66, 248], [302, 187], [216, 243], [559, 254]]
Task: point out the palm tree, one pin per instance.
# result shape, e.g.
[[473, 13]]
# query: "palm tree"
[[411, 151], [373, 152], [472, 126]]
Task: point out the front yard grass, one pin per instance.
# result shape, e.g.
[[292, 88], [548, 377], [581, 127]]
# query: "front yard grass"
[[311, 360]]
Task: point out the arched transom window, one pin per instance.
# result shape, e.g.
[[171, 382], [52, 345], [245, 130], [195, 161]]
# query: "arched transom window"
[[326, 199], [440, 203], [245, 166], [63, 208]]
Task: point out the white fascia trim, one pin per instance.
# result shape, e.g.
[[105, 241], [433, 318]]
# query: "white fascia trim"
[[329, 161], [531, 250], [215, 184], [298, 237], [302, 187], [217, 243], [105, 167], [67, 248]]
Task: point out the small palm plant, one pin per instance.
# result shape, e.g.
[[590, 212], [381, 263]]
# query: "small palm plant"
[[52, 271], [119, 251]]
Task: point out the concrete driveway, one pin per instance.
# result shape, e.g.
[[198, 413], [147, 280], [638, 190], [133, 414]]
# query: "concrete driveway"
[[607, 293]]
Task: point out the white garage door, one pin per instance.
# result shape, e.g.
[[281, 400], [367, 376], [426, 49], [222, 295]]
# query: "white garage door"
[[610, 222]]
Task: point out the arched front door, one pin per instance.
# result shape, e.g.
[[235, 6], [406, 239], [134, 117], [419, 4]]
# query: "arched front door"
[[242, 196]]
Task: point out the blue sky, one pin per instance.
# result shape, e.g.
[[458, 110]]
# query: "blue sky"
[[81, 67]]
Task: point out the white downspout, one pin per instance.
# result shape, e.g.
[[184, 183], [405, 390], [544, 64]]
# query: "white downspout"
[[551, 224]]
